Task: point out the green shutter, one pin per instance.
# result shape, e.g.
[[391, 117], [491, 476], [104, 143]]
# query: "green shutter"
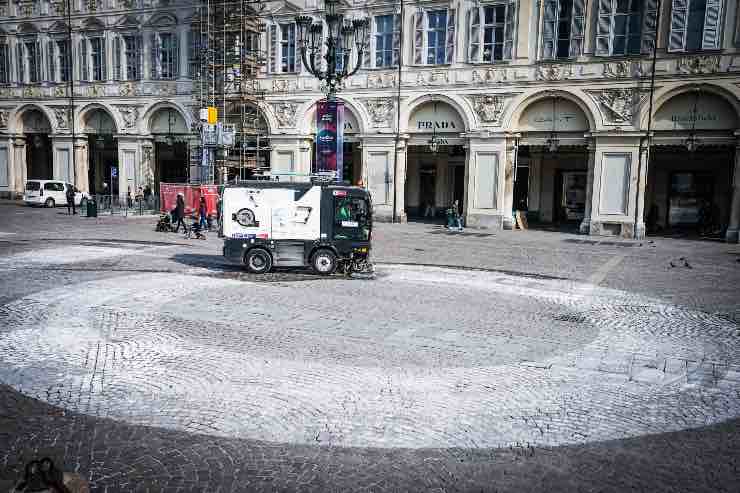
[[475, 36], [711, 34], [679, 20], [450, 37]]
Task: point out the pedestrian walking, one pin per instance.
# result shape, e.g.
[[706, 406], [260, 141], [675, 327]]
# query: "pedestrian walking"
[[106, 196], [203, 212], [180, 212], [71, 199], [129, 198], [453, 217]]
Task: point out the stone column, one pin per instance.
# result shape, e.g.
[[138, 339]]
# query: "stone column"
[[639, 232], [20, 169], [585, 227], [182, 39], [509, 157], [399, 182], [147, 165], [128, 169], [82, 164], [733, 228]]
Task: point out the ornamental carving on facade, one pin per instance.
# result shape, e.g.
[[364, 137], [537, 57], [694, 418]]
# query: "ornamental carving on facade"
[[381, 111], [489, 75], [622, 69], [92, 5], [436, 78], [61, 116], [95, 90], [166, 89], [285, 113], [60, 91], [283, 85], [31, 92], [127, 89], [617, 105], [489, 108], [59, 8], [4, 114], [130, 116], [702, 64], [552, 72], [26, 8], [377, 81]]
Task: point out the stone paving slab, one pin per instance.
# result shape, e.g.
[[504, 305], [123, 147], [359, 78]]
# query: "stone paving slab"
[[671, 346]]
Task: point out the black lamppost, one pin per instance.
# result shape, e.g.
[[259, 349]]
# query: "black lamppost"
[[341, 36]]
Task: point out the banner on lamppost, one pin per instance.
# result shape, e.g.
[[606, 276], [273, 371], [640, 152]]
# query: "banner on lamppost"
[[329, 138]]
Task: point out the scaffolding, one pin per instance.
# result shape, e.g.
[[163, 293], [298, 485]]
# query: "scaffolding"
[[227, 57]]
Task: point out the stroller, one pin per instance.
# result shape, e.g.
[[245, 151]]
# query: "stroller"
[[164, 225]]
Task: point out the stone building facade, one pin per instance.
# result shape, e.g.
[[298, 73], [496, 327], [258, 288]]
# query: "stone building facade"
[[132, 93], [541, 106]]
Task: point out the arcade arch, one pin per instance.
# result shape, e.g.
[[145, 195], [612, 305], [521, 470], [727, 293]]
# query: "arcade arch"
[[435, 160], [35, 127], [552, 154], [170, 135], [692, 159], [103, 167]]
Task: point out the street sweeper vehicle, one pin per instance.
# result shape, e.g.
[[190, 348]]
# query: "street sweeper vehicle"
[[323, 226]]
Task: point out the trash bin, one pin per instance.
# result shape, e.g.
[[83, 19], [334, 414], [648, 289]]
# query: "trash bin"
[[92, 208]]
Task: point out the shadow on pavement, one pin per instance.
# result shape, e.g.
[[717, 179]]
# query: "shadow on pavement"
[[204, 261]]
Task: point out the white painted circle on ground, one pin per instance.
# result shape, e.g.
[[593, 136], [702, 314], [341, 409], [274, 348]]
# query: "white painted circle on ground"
[[421, 357]]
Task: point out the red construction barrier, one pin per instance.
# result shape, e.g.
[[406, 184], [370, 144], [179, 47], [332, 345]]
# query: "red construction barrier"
[[168, 197]]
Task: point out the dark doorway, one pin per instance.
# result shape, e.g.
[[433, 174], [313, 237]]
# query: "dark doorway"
[[39, 164], [103, 164], [171, 164], [521, 189]]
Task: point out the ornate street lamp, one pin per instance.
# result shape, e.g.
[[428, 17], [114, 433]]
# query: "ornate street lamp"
[[692, 143], [341, 35], [434, 141], [553, 143]]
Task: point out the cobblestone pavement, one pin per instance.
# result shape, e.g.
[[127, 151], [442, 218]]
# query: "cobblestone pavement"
[[551, 362]]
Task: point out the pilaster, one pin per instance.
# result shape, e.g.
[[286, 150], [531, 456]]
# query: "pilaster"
[[585, 226], [733, 227]]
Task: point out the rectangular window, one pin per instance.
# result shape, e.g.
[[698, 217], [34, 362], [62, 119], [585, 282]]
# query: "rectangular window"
[[193, 54], [387, 31], [97, 58], [32, 62], [491, 32], [695, 25], [436, 36], [4, 64], [287, 48], [619, 27], [132, 48], [563, 28], [63, 59], [168, 55]]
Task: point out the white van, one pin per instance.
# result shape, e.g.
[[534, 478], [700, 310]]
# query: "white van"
[[51, 193]]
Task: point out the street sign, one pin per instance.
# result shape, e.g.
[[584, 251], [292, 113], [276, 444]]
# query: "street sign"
[[212, 114], [114, 172]]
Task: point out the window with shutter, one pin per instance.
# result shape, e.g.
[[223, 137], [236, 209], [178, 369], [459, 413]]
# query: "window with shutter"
[[51, 74], [695, 25], [474, 32], [20, 62], [649, 26], [396, 40], [619, 27], [287, 48], [385, 41], [710, 38], [4, 64], [175, 48], [84, 72], [117, 56], [97, 58], [492, 30], [272, 48], [604, 27], [436, 37], [679, 20], [419, 38], [549, 26], [450, 39], [578, 28], [64, 59]]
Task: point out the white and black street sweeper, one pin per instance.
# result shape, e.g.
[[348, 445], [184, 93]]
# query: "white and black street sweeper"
[[269, 224]]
